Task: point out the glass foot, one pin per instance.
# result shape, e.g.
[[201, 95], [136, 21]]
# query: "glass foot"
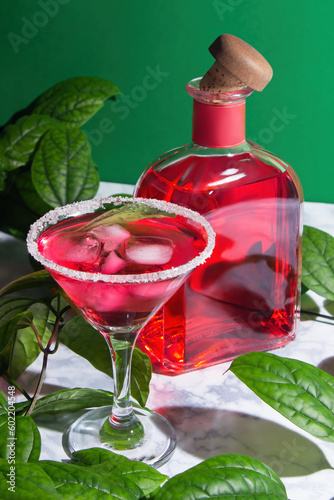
[[155, 448]]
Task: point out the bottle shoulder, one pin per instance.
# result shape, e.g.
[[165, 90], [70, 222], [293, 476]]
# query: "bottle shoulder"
[[249, 149], [191, 166]]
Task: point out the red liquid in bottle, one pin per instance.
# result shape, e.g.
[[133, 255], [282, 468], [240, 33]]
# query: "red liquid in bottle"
[[245, 297]]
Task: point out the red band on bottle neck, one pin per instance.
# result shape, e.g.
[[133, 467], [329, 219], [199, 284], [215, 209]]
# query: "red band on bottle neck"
[[218, 126]]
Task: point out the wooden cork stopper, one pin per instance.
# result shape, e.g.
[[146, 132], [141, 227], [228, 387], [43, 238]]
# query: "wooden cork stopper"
[[237, 65], [220, 79]]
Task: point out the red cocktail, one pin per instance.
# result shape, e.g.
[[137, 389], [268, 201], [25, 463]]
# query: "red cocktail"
[[119, 260]]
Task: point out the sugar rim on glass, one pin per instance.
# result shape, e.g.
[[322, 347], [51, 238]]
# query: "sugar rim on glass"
[[81, 207]]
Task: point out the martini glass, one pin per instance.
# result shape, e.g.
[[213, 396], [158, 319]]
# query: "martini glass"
[[119, 260]]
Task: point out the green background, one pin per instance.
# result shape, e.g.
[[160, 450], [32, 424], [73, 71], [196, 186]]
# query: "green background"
[[125, 41]]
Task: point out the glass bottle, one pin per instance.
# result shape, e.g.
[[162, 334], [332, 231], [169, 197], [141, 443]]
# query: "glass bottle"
[[246, 297]]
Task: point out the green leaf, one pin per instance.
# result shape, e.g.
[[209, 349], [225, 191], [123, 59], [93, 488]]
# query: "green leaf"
[[129, 212], [3, 435], [11, 306], [235, 477], [19, 139], [20, 408], [318, 262], [12, 309], [301, 392], [102, 462], [72, 400], [26, 348], [8, 336], [28, 440], [87, 342], [31, 482], [3, 168], [141, 373], [76, 100], [62, 170], [9, 329], [109, 464], [74, 482], [18, 344], [3, 402], [37, 279], [28, 194], [23, 435], [98, 456], [18, 217]]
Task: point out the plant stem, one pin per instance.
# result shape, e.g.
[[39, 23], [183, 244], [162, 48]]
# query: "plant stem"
[[39, 385], [46, 351], [312, 313]]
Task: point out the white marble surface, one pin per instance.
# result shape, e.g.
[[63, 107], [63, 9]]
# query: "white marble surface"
[[211, 410]]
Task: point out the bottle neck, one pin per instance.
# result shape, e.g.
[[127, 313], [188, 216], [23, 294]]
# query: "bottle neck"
[[219, 126]]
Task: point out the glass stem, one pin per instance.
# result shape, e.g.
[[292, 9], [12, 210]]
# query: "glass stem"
[[121, 355], [122, 430]]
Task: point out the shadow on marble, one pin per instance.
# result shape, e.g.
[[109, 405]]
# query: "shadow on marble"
[[328, 366], [329, 306], [309, 308], [311, 311], [317, 318], [58, 422], [28, 382], [49, 388], [206, 432]]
